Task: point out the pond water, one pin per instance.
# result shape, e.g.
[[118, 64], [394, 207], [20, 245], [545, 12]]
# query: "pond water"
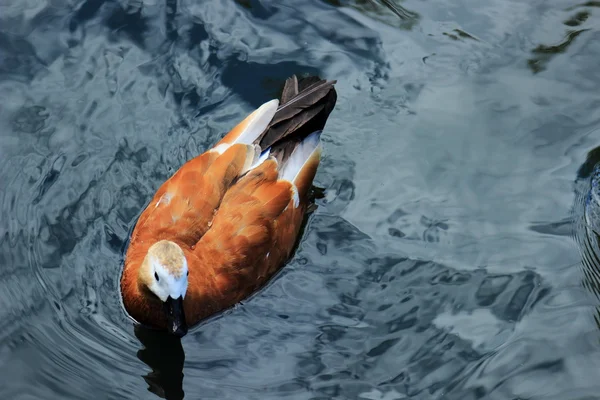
[[440, 263]]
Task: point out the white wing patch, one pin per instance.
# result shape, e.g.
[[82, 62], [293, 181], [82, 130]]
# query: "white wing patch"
[[221, 148], [300, 156], [295, 196], [262, 158], [260, 120]]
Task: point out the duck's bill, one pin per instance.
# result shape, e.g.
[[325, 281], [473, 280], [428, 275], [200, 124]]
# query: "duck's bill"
[[176, 317]]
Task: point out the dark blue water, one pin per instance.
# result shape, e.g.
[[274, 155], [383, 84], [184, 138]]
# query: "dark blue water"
[[440, 263]]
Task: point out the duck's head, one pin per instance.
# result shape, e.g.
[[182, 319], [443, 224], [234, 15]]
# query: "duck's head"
[[164, 272]]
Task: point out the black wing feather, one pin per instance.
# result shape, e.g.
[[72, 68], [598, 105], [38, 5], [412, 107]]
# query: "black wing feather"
[[304, 108]]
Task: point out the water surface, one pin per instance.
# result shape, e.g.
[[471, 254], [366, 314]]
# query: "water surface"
[[440, 262]]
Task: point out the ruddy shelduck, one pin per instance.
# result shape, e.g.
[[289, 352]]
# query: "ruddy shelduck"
[[228, 219]]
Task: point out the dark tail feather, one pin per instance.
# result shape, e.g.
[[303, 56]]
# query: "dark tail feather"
[[304, 108]]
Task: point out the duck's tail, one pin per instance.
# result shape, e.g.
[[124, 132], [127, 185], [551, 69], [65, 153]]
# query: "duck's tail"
[[303, 109], [289, 130]]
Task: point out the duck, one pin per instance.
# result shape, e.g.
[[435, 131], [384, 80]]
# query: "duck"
[[228, 219]]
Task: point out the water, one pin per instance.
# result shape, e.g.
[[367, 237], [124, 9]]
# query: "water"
[[440, 263]]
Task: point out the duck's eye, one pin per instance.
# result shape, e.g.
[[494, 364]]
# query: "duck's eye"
[[156, 276], [188, 273]]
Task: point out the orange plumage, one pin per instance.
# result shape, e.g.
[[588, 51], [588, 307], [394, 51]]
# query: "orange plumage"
[[229, 218]]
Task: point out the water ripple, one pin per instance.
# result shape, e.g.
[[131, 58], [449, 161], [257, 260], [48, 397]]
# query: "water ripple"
[[440, 262]]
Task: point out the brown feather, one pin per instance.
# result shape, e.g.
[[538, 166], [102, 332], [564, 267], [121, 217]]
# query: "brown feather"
[[274, 197]]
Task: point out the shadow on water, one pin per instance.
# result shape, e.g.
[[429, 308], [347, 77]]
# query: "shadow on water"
[[164, 354]]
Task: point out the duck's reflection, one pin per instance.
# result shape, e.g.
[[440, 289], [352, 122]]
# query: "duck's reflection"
[[164, 354]]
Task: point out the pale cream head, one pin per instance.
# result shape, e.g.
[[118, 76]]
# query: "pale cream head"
[[165, 270]]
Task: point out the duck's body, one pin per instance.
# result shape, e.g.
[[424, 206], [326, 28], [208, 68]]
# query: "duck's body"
[[231, 216]]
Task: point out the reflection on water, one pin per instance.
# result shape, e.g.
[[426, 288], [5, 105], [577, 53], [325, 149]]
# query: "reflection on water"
[[440, 261], [164, 354], [544, 53]]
